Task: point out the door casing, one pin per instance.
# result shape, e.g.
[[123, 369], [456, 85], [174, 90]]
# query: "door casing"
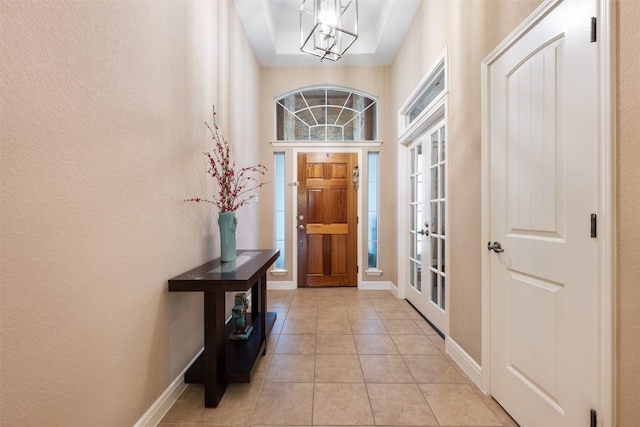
[[606, 205], [436, 113]]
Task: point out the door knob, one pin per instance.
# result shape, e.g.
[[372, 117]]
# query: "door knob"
[[301, 227], [300, 218], [495, 246]]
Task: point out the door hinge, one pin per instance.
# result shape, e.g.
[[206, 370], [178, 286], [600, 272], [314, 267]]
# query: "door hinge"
[[594, 29], [594, 418], [594, 226]]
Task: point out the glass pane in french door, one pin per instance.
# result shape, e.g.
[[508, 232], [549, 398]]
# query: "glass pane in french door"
[[436, 203], [416, 214]]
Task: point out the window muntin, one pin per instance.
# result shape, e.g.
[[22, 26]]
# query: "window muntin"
[[416, 183], [438, 200], [326, 114]]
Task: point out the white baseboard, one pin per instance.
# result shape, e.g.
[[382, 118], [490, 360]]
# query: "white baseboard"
[[280, 286], [393, 288], [466, 362], [376, 286], [161, 406]]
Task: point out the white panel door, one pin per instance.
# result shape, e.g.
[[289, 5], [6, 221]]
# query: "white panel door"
[[543, 152]]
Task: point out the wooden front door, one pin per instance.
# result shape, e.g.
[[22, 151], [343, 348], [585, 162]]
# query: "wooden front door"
[[327, 219]]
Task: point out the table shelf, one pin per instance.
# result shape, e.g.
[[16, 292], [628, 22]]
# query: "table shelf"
[[240, 355]]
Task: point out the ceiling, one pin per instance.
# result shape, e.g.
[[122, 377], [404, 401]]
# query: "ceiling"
[[273, 28]]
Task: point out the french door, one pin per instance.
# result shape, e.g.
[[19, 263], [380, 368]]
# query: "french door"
[[427, 289]]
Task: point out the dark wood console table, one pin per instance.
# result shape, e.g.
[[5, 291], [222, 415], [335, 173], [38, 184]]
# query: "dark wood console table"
[[223, 360]]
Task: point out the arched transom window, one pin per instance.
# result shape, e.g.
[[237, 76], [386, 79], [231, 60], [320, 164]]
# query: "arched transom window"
[[326, 114]]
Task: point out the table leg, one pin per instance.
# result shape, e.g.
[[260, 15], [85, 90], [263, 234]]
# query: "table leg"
[[256, 296], [214, 348], [263, 310]]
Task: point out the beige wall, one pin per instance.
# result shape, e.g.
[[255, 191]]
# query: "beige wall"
[[275, 82], [628, 224], [102, 111], [470, 30]]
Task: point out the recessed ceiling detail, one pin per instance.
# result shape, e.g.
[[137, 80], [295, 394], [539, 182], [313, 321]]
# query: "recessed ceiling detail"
[[273, 29]]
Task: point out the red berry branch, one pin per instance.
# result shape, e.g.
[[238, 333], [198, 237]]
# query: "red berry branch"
[[236, 187]]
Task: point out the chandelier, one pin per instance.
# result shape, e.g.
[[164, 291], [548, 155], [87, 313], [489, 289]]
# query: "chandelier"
[[328, 27]]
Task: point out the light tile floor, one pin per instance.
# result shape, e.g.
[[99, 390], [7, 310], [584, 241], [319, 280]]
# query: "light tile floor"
[[344, 357]]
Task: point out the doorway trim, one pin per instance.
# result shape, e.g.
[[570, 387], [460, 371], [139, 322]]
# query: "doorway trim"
[[437, 110], [606, 240]]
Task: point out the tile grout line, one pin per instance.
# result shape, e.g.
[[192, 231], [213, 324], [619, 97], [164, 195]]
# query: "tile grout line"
[[295, 302]]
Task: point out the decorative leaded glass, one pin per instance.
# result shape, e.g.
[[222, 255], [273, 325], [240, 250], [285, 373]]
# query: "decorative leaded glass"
[[326, 114]]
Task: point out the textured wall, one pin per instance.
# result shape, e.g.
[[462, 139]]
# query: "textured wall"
[[102, 110], [470, 30], [628, 223]]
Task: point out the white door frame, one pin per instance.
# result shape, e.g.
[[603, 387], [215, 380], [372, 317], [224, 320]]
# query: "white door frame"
[[407, 132], [437, 316], [606, 280], [438, 111]]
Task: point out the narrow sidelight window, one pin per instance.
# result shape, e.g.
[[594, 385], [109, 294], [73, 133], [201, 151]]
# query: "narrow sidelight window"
[[372, 209], [279, 217]]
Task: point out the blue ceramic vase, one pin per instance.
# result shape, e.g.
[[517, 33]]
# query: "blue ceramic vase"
[[227, 222]]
